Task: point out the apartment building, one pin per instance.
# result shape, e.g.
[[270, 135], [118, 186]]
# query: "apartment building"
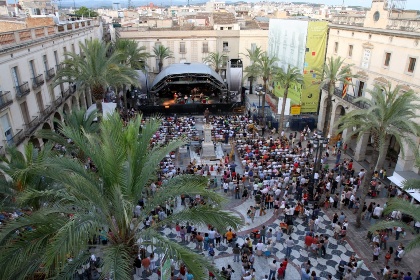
[[29, 60], [383, 46], [194, 43]]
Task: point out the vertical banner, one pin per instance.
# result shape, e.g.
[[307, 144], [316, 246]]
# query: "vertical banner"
[[316, 44]]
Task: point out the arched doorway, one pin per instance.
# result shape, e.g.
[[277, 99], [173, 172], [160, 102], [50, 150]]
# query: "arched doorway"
[[339, 111], [35, 141], [46, 126], [57, 119], [74, 103], [66, 109]]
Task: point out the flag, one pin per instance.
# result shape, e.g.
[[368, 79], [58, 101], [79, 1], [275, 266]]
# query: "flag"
[[345, 87]]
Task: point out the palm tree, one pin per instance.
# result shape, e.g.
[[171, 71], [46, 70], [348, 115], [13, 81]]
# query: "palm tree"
[[216, 59], [291, 78], [104, 197], [402, 205], [95, 71], [133, 56], [334, 71], [251, 70], [161, 53], [17, 175], [267, 67], [390, 112]]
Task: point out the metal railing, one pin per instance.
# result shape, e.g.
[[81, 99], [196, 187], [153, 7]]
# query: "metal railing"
[[31, 126], [58, 101], [60, 66], [38, 81], [22, 90], [349, 98], [47, 112], [5, 99], [50, 74], [16, 139]]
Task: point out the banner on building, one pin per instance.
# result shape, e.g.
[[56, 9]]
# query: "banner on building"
[[300, 44]]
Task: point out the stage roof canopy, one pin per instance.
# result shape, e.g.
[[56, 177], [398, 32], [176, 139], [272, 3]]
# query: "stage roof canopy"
[[187, 73]]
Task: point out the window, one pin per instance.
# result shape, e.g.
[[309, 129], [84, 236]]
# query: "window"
[[32, 68], [39, 101], [15, 76], [45, 61], [253, 47], [7, 129], [73, 49], [56, 58], [411, 64], [387, 59], [205, 47], [25, 112], [350, 50], [336, 47], [225, 46], [182, 47], [360, 89]]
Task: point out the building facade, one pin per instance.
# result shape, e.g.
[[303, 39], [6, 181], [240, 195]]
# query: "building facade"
[[383, 46], [29, 59]]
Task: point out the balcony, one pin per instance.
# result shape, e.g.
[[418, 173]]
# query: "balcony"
[[66, 93], [31, 126], [5, 99], [16, 139], [349, 98], [60, 66], [22, 90], [46, 112], [58, 102], [50, 74], [38, 81], [225, 49]]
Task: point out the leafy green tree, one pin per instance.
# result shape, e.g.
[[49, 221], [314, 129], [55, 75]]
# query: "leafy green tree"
[[334, 71], [161, 53], [95, 70], [17, 175], [132, 56], [251, 70], [291, 78], [86, 200], [216, 59], [85, 12], [390, 112], [267, 67]]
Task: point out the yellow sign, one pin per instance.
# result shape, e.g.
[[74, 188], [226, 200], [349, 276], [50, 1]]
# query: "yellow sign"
[[316, 44], [295, 110]]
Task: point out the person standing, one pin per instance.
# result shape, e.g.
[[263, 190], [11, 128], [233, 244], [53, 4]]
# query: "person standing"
[[273, 269], [289, 246], [236, 252], [263, 233], [376, 251]]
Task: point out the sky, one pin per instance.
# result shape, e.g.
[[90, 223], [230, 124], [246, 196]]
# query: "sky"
[[410, 4]]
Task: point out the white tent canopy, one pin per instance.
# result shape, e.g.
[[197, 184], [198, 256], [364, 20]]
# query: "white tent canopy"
[[107, 108], [399, 178]]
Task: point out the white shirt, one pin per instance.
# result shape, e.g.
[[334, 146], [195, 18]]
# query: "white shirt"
[[377, 211]]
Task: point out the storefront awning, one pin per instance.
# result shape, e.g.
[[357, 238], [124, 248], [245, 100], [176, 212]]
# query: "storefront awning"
[[398, 178]]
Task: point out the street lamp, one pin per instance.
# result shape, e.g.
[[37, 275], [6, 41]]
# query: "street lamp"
[[319, 143]]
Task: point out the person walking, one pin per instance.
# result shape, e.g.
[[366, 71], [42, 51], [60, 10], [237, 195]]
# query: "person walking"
[[263, 233], [376, 251]]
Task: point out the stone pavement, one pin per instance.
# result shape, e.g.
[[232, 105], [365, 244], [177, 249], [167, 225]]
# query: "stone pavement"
[[356, 242]]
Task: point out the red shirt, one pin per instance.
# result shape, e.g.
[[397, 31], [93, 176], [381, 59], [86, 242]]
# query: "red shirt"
[[280, 271], [308, 240], [284, 264]]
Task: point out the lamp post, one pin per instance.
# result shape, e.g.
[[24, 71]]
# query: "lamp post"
[[319, 143]]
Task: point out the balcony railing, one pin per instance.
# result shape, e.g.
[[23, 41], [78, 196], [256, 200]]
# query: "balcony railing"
[[66, 93], [60, 66], [349, 98], [31, 126], [58, 101], [226, 49], [16, 139], [22, 90], [5, 99], [38, 81], [50, 74], [47, 112]]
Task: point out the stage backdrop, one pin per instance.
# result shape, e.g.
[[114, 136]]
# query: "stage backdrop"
[[300, 44]]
